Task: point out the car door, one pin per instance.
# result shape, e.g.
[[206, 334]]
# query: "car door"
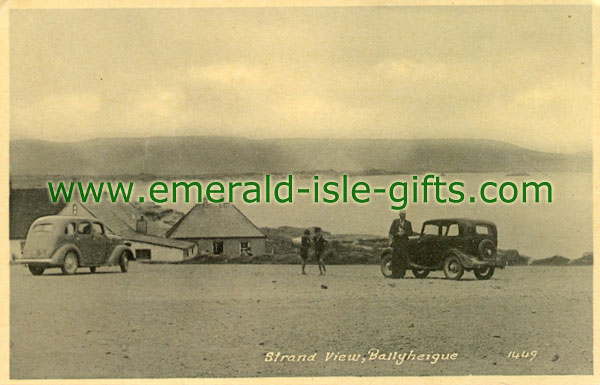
[[83, 240], [437, 246], [99, 242], [90, 243], [453, 237], [427, 244]]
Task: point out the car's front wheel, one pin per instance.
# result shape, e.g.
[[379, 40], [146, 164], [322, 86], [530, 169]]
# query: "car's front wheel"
[[485, 273], [453, 268], [70, 263], [388, 269], [386, 265], [420, 273], [124, 262], [36, 270], [398, 272]]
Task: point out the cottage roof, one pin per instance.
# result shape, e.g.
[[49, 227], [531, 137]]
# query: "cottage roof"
[[118, 217], [175, 243], [214, 221], [121, 217], [26, 205]]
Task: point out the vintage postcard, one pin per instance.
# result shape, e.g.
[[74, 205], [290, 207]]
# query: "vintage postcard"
[[327, 192]]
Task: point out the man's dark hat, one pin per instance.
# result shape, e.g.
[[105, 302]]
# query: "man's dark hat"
[[317, 229]]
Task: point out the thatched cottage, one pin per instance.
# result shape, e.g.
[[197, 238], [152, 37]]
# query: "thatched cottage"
[[219, 229]]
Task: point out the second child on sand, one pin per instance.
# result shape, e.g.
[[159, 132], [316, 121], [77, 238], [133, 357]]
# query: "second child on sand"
[[305, 245], [319, 244]]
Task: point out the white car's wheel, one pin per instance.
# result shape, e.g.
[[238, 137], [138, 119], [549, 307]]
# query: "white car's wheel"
[[124, 262], [36, 270], [70, 264]]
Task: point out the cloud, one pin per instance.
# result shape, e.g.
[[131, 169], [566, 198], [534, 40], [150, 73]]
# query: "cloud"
[[401, 72], [68, 114], [411, 70], [71, 105], [227, 73], [160, 103]]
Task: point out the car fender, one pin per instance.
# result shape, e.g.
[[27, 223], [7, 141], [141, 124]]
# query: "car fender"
[[387, 251], [113, 259], [467, 260], [58, 257]]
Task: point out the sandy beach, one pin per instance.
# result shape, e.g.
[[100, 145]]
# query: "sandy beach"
[[225, 320]]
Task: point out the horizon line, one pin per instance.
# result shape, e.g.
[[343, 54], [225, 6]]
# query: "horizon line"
[[590, 151]]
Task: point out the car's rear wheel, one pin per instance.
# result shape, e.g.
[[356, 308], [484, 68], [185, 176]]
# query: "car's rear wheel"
[[36, 270], [485, 273], [70, 263], [453, 268], [92, 269], [124, 262], [420, 273]]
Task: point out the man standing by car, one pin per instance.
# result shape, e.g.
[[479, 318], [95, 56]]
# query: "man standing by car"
[[399, 232]]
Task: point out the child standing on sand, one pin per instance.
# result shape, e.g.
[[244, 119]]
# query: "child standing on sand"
[[319, 245], [305, 245]]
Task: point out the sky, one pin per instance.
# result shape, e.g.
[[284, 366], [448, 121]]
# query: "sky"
[[520, 74]]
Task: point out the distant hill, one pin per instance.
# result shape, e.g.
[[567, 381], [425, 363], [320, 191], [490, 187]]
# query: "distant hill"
[[160, 219], [211, 155], [556, 260], [586, 260], [288, 232], [513, 258]]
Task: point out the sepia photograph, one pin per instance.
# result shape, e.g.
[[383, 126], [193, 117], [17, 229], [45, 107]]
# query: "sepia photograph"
[[312, 192]]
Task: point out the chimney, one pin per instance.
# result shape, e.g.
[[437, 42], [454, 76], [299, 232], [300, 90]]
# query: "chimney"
[[141, 226]]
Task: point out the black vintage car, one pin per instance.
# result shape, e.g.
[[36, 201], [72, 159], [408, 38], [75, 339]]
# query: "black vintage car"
[[452, 245]]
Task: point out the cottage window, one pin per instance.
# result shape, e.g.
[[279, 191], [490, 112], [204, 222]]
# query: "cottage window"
[[218, 247], [245, 248], [74, 209]]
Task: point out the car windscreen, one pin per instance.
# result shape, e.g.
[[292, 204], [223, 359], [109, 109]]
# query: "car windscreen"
[[431, 229], [43, 228]]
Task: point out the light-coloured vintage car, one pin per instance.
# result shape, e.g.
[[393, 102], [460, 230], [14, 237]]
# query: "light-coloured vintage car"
[[71, 242]]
